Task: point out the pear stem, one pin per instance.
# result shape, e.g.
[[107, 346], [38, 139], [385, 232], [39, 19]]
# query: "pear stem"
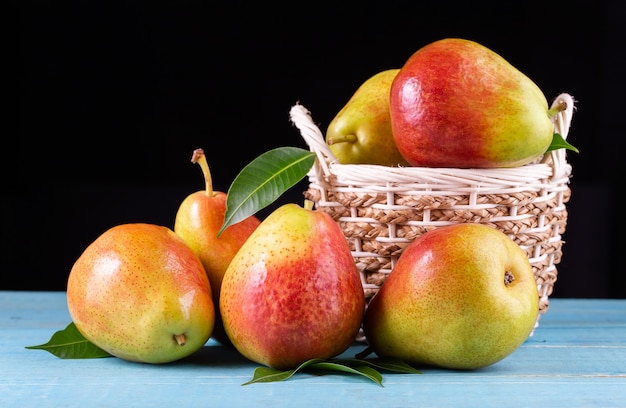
[[556, 109], [180, 339], [308, 204], [342, 139], [199, 158]]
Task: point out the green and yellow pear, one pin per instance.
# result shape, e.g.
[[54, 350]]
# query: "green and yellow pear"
[[292, 292], [198, 221], [141, 294], [456, 103], [361, 133], [461, 296]]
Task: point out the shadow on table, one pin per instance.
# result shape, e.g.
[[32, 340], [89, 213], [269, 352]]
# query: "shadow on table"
[[216, 354]]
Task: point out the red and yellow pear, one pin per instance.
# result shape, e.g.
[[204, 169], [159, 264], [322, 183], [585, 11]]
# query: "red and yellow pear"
[[199, 220], [292, 292], [141, 294], [456, 103]]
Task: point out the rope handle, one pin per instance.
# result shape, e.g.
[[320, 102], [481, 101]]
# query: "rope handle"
[[312, 135]]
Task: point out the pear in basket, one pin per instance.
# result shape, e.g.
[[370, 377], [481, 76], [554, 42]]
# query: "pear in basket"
[[461, 296], [360, 133], [456, 103], [292, 292]]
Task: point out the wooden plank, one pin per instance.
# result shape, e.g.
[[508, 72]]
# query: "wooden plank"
[[576, 358]]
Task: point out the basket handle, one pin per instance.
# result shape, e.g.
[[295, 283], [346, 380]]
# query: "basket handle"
[[312, 135], [562, 122]]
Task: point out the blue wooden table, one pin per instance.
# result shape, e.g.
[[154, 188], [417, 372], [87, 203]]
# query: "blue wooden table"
[[576, 358]]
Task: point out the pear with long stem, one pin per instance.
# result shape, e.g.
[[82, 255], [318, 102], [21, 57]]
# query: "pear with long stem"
[[198, 221]]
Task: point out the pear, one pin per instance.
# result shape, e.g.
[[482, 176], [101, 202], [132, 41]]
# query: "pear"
[[456, 103], [198, 221], [462, 296], [292, 292], [141, 294], [361, 133]]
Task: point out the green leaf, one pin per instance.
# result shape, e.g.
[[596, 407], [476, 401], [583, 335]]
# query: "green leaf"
[[364, 367], [559, 143], [385, 363], [265, 179], [364, 370], [69, 343], [266, 374]]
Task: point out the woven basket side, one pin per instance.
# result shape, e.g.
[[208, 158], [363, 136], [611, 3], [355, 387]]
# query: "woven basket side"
[[379, 226]]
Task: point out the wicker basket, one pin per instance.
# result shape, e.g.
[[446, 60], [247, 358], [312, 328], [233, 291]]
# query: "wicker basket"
[[382, 209]]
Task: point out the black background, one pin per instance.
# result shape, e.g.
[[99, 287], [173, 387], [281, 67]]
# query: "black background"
[[113, 98]]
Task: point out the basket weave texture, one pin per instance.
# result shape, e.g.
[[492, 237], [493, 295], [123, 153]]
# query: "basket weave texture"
[[382, 209]]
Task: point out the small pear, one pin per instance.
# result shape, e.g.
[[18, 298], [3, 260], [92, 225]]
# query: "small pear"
[[292, 292], [141, 294], [361, 133], [456, 103], [198, 221]]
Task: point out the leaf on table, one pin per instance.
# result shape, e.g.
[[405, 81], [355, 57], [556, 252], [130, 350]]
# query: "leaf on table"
[[69, 343], [267, 374], [265, 179], [363, 370], [386, 363], [364, 367]]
